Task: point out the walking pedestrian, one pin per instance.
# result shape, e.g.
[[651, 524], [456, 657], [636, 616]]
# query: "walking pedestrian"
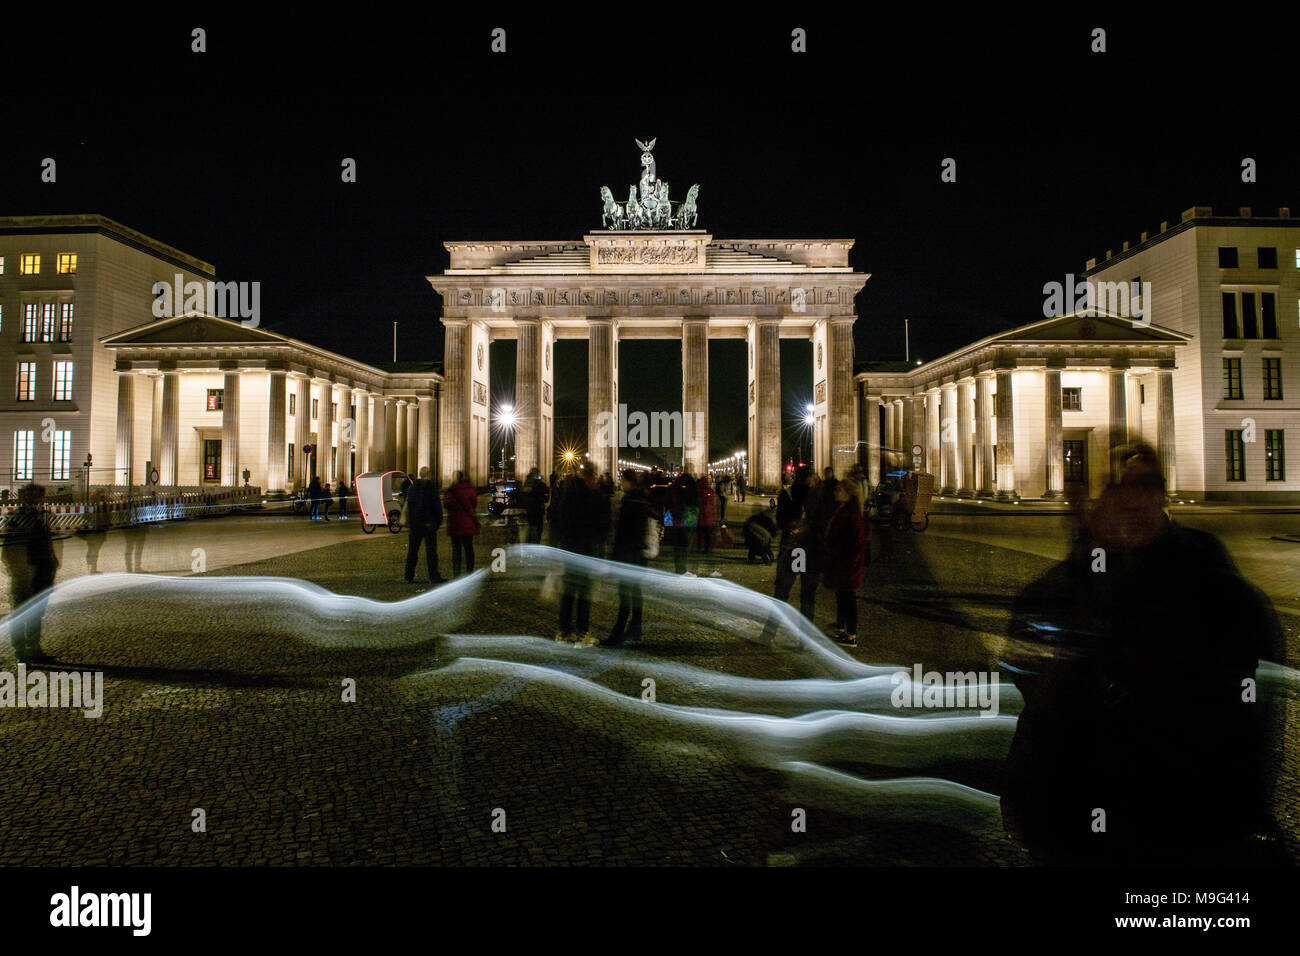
[[314, 492], [343, 493], [845, 561], [536, 496], [684, 512], [326, 496], [796, 516], [741, 487], [583, 521], [636, 522], [424, 513], [708, 516], [720, 496], [461, 504], [30, 561]]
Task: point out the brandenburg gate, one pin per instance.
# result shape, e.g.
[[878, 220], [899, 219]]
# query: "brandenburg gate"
[[649, 274]]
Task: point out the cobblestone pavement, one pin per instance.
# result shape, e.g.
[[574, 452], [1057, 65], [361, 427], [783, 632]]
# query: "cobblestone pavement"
[[245, 721]]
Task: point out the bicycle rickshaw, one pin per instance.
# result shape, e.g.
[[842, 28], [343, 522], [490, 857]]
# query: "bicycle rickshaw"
[[379, 496]]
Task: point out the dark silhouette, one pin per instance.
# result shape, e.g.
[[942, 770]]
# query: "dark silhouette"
[[1140, 741], [636, 522], [582, 519], [342, 492], [759, 532], [30, 561], [424, 513], [315, 492], [845, 563], [535, 498]]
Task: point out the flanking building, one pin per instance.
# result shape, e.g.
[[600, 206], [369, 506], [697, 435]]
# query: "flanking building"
[[191, 401], [1204, 364], [1232, 284]]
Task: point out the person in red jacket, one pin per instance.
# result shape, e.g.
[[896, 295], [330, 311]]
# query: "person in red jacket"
[[461, 505], [844, 566], [708, 520]]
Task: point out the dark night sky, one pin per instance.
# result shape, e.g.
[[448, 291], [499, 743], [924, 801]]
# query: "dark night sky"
[[233, 155]]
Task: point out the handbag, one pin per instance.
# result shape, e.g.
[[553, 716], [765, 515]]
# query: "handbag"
[[651, 547]]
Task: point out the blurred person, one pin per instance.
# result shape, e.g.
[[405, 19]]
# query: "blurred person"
[[636, 521], [741, 487], [708, 515], [758, 533], [583, 522], [314, 492], [424, 516], [801, 541], [1134, 656], [461, 505], [326, 496], [536, 496], [30, 561], [683, 509], [845, 562], [343, 492]]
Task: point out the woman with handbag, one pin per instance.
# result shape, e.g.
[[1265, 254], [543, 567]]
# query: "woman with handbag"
[[461, 504]]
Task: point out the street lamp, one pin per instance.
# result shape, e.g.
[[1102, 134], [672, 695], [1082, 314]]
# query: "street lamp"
[[506, 425]]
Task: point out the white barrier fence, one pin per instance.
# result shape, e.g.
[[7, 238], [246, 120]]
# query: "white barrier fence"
[[143, 509]]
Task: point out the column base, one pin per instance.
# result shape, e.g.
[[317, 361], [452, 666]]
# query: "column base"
[[1007, 496], [948, 492], [965, 493], [1053, 494]]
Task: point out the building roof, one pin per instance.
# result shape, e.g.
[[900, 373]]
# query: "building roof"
[[92, 223], [1191, 218]]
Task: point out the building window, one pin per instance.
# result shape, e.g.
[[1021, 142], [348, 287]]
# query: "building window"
[[1076, 466], [1272, 378], [1268, 314], [1227, 257], [315, 408], [1234, 455], [67, 264], [292, 404], [2, 262], [2, 316], [291, 457], [1267, 258], [29, 322], [1072, 399], [1249, 323], [215, 398], [1274, 455], [63, 381], [65, 322], [61, 456], [29, 264], [334, 413], [1232, 378], [26, 381], [1142, 393], [1230, 315], [23, 447]]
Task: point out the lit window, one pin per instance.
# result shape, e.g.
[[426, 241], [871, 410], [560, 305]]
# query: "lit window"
[[67, 263], [47, 322], [1272, 378], [1274, 455], [65, 322], [23, 447], [2, 261], [26, 381], [63, 381], [1297, 262], [216, 399], [29, 322], [1234, 455], [29, 264], [61, 456], [1232, 378]]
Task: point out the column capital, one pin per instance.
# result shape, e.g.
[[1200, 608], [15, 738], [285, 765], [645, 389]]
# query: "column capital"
[[841, 319]]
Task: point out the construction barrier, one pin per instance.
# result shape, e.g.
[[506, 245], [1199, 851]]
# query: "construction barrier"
[[145, 509]]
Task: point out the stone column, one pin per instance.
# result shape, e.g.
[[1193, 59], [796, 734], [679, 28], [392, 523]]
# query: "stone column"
[[891, 431], [276, 446], [155, 423], [1054, 434], [424, 435], [361, 398], [985, 476], [966, 479], [602, 415], [325, 433], [839, 398], [230, 430], [933, 433], [764, 458], [910, 414], [951, 454], [301, 431], [872, 412], [1165, 427], [455, 401], [125, 428], [169, 442], [1006, 436], [695, 394], [391, 432], [528, 395], [399, 454], [412, 466], [1117, 434], [902, 429]]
